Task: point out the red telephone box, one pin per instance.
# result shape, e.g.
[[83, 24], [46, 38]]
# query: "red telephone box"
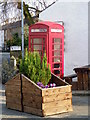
[[49, 37]]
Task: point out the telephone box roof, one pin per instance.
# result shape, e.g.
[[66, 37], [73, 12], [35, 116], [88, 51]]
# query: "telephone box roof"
[[47, 23]]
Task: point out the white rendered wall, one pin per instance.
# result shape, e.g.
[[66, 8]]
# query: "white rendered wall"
[[75, 18]]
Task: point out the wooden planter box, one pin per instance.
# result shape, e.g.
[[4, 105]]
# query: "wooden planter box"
[[24, 95]]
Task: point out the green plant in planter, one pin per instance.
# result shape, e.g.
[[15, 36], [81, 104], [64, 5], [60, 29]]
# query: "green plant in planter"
[[33, 68], [45, 72]]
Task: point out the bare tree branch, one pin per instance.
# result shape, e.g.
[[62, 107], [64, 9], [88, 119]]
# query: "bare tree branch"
[[37, 7], [44, 3]]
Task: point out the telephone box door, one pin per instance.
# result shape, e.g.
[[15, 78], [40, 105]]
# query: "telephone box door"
[[38, 44], [57, 56]]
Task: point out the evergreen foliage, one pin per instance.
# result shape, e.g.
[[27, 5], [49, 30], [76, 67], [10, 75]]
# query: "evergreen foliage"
[[45, 72], [32, 67]]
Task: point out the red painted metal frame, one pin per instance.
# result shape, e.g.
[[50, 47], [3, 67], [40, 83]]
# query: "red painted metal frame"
[[49, 38]]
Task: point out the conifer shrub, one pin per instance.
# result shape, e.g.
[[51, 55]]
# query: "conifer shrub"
[[34, 68]]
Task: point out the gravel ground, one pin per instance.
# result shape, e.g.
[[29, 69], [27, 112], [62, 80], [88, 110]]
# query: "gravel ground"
[[80, 108]]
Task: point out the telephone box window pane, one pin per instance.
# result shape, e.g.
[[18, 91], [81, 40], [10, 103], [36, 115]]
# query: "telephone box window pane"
[[37, 41], [56, 30], [57, 47], [56, 53], [56, 40], [37, 47], [56, 60], [38, 30]]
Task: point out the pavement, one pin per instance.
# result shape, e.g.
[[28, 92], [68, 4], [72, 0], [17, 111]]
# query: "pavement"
[[80, 109]]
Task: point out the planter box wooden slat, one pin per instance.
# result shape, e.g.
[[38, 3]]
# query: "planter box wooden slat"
[[18, 83], [14, 106], [16, 95], [55, 104], [58, 81], [32, 104], [33, 110], [13, 93], [36, 100], [56, 97], [15, 88], [57, 110], [32, 98], [13, 100], [30, 87], [56, 90], [31, 90]]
